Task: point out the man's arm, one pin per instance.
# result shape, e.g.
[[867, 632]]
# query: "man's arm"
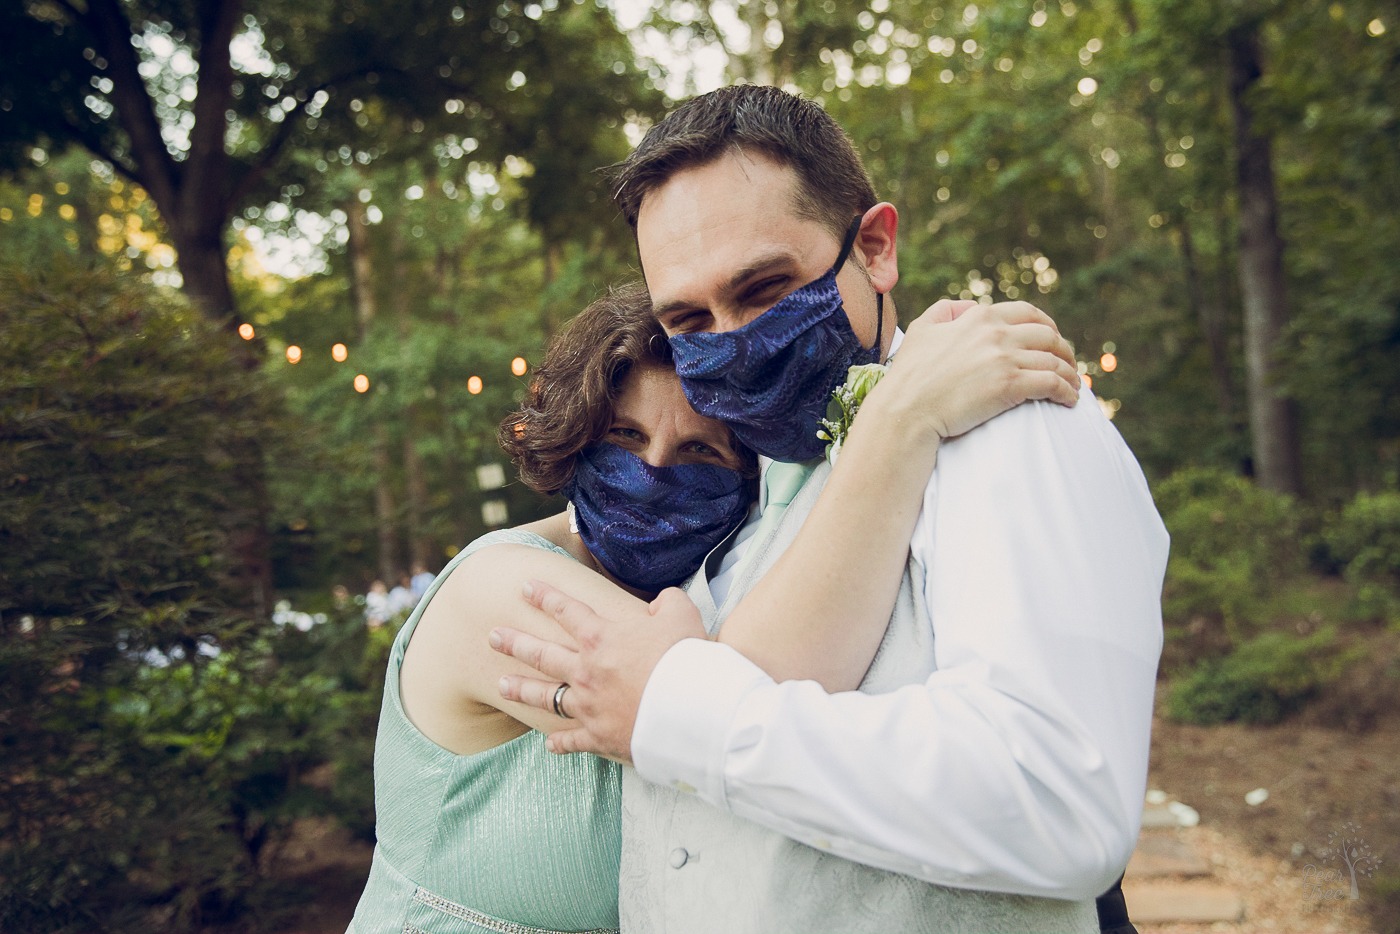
[[1019, 765]]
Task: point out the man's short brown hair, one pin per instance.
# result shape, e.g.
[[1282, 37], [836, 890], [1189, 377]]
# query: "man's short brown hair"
[[832, 186]]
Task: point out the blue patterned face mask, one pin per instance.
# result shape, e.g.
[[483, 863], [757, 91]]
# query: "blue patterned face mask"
[[652, 526], [771, 379]]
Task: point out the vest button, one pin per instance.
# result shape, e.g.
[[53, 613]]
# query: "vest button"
[[679, 857]]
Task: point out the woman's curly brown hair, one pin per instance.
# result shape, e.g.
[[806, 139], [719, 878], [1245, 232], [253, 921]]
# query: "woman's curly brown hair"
[[572, 399]]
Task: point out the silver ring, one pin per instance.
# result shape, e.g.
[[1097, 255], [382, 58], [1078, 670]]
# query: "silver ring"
[[559, 701]]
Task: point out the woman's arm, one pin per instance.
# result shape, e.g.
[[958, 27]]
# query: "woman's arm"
[[821, 611], [450, 678]]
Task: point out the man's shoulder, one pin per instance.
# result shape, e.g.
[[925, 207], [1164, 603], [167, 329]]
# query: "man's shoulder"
[[1035, 424]]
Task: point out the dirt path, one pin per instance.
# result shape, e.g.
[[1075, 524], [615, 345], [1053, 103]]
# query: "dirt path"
[[1242, 868]]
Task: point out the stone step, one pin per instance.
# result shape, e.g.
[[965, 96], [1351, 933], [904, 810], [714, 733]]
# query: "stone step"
[[1199, 902], [1162, 853]]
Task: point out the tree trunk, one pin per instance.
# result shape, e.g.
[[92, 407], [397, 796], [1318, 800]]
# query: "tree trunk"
[[1211, 318], [1273, 419], [366, 306], [385, 509], [204, 269], [417, 488]]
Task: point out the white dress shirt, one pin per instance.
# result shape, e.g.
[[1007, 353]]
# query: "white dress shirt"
[[1019, 765]]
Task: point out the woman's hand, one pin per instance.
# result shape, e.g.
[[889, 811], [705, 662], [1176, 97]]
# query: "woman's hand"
[[962, 363]]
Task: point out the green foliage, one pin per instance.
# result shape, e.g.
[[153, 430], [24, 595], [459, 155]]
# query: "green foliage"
[[1365, 539], [141, 779], [1262, 681], [1232, 542]]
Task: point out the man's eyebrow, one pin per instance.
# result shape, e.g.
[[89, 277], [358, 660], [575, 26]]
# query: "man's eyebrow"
[[733, 284]]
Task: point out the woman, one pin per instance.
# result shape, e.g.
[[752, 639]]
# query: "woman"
[[481, 829]]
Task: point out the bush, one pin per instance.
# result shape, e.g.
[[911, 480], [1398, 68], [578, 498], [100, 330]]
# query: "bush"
[[1262, 681], [1232, 542], [1365, 539], [152, 740]]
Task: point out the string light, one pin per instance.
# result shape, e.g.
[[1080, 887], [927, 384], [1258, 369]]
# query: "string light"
[[1088, 380], [518, 366], [339, 353], [474, 385], [1108, 363], [294, 354], [245, 331], [362, 383]]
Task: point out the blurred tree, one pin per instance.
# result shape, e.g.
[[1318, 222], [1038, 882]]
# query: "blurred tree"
[[202, 104], [443, 278], [123, 432]]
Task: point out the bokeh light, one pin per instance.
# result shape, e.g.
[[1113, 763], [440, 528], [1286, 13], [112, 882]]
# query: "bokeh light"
[[362, 383], [474, 385], [1108, 363], [294, 354], [1088, 380], [339, 353], [245, 331], [518, 366]]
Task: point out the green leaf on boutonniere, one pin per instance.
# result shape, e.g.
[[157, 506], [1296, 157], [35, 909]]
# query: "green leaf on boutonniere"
[[845, 402]]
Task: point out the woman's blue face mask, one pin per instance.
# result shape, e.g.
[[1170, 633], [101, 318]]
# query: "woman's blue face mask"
[[770, 380], [652, 526]]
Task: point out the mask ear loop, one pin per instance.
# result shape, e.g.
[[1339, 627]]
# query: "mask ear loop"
[[846, 246]]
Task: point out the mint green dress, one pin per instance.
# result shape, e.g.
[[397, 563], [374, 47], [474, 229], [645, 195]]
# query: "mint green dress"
[[512, 839]]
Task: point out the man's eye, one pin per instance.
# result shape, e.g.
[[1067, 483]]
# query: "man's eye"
[[686, 322], [767, 292]]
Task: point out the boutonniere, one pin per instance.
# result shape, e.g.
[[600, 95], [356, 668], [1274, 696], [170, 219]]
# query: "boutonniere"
[[845, 402]]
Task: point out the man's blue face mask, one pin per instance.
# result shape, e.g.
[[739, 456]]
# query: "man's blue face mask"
[[652, 526], [771, 379]]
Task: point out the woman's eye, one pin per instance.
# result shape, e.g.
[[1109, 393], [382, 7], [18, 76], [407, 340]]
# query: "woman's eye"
[[701, 449], [625, 434]]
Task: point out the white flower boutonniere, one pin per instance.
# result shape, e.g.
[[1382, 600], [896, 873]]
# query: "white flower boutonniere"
[[845, 402]]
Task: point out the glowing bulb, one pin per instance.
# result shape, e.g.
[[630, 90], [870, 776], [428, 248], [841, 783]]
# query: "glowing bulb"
[[1108, 363], [294, 354], [245, 331], [362, 383], [339, 353], [1088, 380], [474, 385], [518, 366]]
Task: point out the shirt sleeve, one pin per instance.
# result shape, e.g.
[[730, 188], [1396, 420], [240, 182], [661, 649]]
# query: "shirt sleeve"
[[1019, 765]]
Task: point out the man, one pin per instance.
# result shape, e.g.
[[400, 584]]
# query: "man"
[[989, 775]]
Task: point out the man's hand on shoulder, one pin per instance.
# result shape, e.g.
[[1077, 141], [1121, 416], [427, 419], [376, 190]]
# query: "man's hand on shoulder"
[[607, 674]]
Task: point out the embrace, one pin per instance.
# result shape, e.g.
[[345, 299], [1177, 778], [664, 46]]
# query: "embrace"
[[903, 689]]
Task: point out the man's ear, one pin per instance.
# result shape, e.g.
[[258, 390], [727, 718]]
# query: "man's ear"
[[875, 244]]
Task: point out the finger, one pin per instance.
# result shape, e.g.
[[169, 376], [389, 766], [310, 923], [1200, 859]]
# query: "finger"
[[532, 692], [946, 309], [1068, 369], [1040, 360], [673, 600], [1044, 384], [1036, 336], [577, 739], [571, 615], [1024, 313], [548, 658]]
